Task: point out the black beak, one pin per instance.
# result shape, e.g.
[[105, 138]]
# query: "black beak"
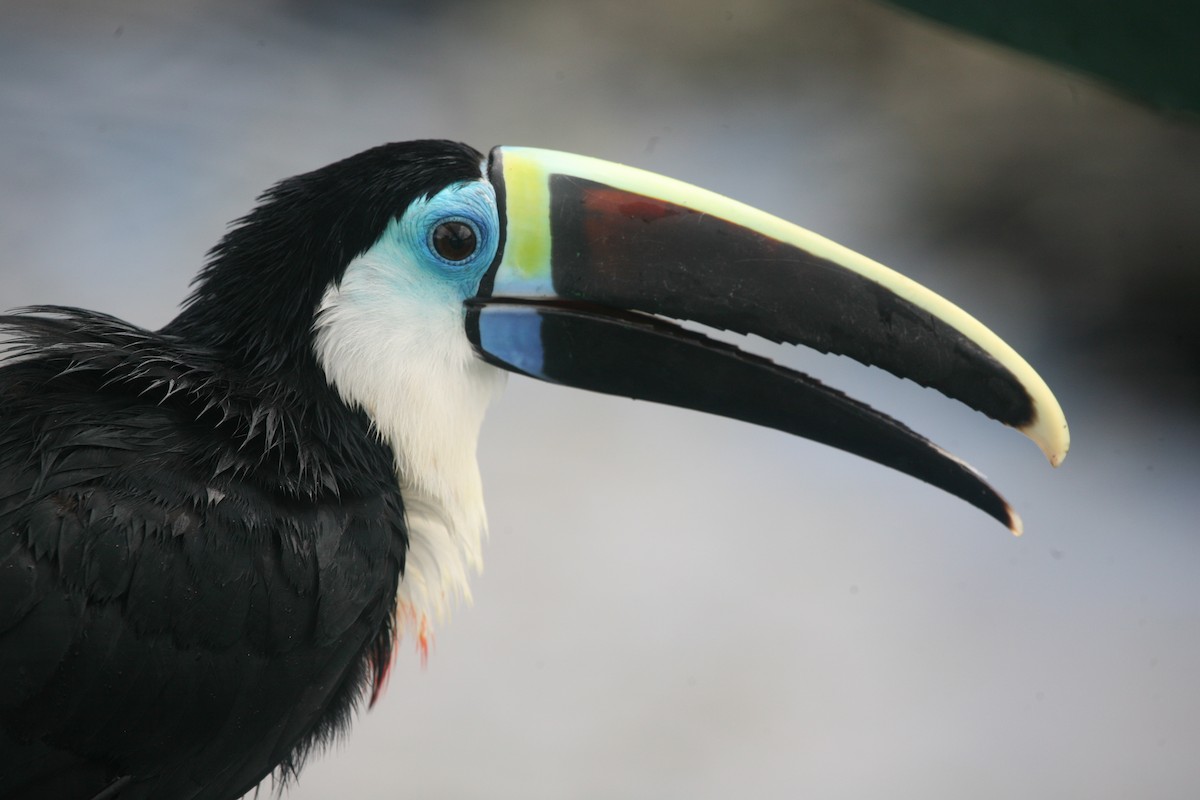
[[595, 254]]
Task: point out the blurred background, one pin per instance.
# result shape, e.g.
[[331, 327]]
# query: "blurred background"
[[683, 606]]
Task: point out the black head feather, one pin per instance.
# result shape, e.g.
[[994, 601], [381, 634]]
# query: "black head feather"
[[255, 298]]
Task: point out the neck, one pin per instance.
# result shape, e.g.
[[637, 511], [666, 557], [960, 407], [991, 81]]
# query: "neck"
[[413, 371]]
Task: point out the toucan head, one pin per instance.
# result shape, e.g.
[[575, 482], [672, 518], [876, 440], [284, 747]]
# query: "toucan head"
[[424, 270]]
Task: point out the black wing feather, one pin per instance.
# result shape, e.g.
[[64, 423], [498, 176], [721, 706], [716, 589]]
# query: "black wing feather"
[[196, 583]]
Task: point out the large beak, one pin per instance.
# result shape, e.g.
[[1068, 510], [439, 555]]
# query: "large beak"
[[595, 255]]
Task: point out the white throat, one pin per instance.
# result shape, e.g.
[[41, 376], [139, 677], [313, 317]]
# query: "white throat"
[[390, 348]]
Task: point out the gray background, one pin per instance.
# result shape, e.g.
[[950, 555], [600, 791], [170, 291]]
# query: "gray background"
[[676, 605]]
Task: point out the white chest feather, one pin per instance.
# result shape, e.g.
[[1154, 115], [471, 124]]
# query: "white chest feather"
[[393, 346]]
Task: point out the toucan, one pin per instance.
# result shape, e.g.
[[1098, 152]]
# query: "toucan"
[[212, 535]]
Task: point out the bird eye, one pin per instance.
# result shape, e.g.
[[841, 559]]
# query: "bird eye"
[[455, 240]]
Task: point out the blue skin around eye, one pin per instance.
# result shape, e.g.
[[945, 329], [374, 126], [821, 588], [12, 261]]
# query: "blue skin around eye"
[[473, 202], [514, 335]]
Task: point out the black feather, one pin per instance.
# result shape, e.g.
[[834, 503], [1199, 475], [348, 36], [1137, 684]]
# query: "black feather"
[[200, 543]]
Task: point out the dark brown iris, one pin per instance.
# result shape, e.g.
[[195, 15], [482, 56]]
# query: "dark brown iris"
[[454, 240]]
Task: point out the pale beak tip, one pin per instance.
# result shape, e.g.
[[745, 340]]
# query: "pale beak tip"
[[1050, 433]]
